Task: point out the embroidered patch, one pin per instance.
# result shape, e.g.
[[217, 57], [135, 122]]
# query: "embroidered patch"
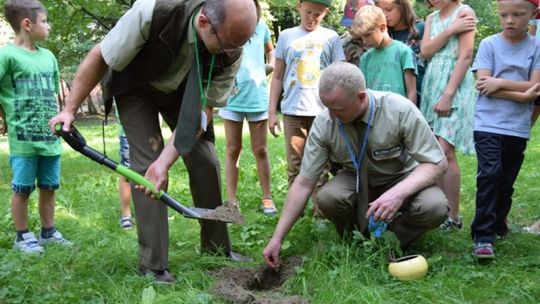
[[387, 152]]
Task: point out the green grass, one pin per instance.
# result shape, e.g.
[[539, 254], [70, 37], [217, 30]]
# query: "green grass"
[[102, 266]]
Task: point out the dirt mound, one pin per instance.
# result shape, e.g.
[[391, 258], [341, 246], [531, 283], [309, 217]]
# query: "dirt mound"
[[226, 213], [260, 285]]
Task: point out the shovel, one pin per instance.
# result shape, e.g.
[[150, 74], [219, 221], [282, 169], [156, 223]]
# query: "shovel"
[[222, 213]]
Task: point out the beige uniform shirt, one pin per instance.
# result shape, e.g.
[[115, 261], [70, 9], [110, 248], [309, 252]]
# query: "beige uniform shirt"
[[127, 38], [399, 139]]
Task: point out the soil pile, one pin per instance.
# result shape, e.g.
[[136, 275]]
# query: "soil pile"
[[226, 213]]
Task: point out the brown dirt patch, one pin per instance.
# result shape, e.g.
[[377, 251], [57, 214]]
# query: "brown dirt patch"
[[226, 213], [260, 285]]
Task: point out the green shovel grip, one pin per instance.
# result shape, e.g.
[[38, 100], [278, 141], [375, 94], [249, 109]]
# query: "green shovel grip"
[[138, 179]]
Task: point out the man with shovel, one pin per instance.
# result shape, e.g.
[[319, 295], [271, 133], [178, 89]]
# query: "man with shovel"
[[177, 58], [391, 162]]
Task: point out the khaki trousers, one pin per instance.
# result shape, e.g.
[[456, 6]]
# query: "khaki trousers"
[[296, 130], [138, 110], [425, 210]]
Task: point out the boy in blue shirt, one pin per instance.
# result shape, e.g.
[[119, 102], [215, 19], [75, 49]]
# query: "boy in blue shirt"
[[29, 80], [302, 52], [507, 66]]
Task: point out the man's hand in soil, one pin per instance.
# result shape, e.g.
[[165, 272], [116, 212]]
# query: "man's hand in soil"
[[271, 253]]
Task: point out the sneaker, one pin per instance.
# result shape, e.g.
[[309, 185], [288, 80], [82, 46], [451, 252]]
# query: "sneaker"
[[28, 244], [126, 222], [268, 206], [450, 224], [483, 251], [534, 228], [56, 238]]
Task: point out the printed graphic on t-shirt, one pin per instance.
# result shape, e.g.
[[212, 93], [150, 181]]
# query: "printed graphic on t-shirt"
[[35, 105], [379, 68], [307, 58]]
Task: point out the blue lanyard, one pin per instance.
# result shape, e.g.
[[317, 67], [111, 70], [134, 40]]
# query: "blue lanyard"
[[357, 159]]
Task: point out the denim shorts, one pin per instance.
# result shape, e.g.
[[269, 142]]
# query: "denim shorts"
[[124, 151], [26, 169], [239, 116]]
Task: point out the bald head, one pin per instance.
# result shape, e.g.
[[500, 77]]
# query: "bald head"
[[234, 20], [343, 75], [342, 90]]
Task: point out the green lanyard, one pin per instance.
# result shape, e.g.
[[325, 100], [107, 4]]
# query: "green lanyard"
[[199, 71]]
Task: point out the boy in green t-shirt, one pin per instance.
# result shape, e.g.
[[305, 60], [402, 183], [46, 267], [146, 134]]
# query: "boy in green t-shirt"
[[389, 65], [29, 80]]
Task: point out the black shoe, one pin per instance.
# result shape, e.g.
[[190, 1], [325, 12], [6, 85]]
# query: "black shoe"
[[236, 257], [160, 276]]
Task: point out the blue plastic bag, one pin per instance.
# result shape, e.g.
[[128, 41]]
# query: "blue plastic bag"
[[377, 228]]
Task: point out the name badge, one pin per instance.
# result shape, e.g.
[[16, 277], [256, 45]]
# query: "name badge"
[[390, 152]]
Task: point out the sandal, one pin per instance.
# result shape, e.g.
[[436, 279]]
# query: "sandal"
[[268, 206], [483, 251], [126, 222]]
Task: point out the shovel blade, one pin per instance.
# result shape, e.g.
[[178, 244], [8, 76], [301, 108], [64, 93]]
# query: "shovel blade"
[[224, 213]]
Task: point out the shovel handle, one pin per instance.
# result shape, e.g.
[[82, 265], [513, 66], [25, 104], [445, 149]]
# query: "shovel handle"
[[73, 138], [139, 180], [78, 143], [161, 195]]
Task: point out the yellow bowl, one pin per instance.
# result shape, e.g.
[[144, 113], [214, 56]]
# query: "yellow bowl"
[[412, 267]]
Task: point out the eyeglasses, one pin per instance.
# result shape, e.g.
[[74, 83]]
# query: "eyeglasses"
[[222, 49]]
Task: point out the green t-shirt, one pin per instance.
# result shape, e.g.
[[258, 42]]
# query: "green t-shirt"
[[384, 68], [28, 90]]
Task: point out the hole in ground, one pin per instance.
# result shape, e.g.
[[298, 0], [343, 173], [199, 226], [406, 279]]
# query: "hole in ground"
[[257, 285], [267, 279]]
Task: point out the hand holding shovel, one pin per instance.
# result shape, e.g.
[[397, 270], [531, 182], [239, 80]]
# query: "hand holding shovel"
[[78, 143]]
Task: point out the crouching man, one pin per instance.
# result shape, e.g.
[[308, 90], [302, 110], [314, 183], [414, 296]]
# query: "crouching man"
[[391, 161]]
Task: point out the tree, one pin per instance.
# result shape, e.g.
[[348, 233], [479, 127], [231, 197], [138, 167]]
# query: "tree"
[[77, 25]]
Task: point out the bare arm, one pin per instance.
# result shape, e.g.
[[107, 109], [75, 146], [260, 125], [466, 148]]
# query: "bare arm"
[[466, 43], [275, 91], [88, 75], [3, 126], [531, 94], [519, 91], [270, 59], [489, 85], [209, 111], [410, 85], [426, 174], [465, 22], [294, 206]]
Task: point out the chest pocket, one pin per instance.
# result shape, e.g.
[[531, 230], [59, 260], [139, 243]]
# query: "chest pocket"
[[387, 152]]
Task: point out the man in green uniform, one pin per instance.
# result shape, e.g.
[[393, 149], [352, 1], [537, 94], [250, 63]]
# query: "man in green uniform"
[[390, 158], [177, 58]]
